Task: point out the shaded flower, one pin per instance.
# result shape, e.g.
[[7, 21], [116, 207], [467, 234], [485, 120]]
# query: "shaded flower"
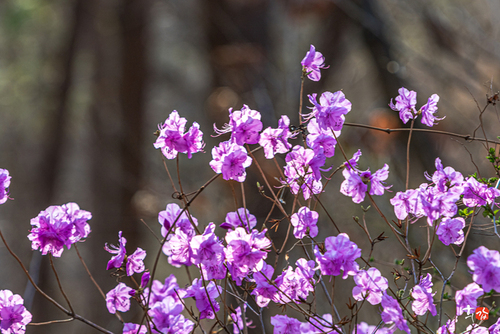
[[276, 140], [319, 325], [340, 254], [423, 296], [364, 328], [312, 63], [167, 318], [485, 267], [178, 248], [448, 328], [208, 252], [265, 290], [118, 299], [238, 324], [13, 315], [131, 328], [370, 284], [167, 218], [392, 313], [304, 223], [238, 218], [428, 111], [330, 111], [285, 325], [117, 260], [318, 139], [4, 184], [476, 329], [478, 194], [198, 291]]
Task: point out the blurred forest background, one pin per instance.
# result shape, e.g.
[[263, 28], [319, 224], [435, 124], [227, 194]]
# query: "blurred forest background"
[[84, 83]]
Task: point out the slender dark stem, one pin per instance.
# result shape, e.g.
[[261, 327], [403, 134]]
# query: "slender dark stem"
[[88, 272], [59, 283], [408, 154]]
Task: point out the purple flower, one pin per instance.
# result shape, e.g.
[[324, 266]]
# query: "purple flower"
[[495, 328], [130, 328], [304, 222], [168, 217], [429, 110], [13, 315], [302, 171], [312, 63], [448, 328], [392, 313], [485, 267], [285, 325], [167, 318], [245, 252], [238, 218], [446, 178], [237, 317], [173, 140], [230, 159], [135, 262], [318, 139], [117, 260], [355, 183], [118, 299], [423, 297], [276, 140], [340, 254], [178, 249], [59, 226], [244, 126], [330, 111], [404, 203], [198, 291], [4, 184], [370, 284], [450, 231], [292, 286], [364, 328], [208, 252], [467, 298], [405, 104], [476, 329], [477, 194], [161, 291], [265, 291], [319, 325], [145, 279]]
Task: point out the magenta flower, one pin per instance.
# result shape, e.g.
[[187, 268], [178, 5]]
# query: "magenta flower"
[[178, 248], [446, 178], [237, 317], [4, 184], [161, 291], [59, 226], [130, 328], [312, 63], [265, 291], [340, 254], [477, 194], [292, 286], [370, 284], [392, 313], [355, 183], [118, 299], [448, 328], [285, 325], [244, 125], [167, 318], [318, 139], [467, 298], [450, 231], [405, 104], [404, 203], [485, 267], [364, 328], [428, 111], [304, 223], [423, 297], [117, 260], [317, 325], [168, 217], [13, 315], [198, 291], [245, 252], [476, 329], [239, 218], [276, 140], [173, 140], [230, 159], [135, 262], [208, 252], [330, 111], [495, 328]]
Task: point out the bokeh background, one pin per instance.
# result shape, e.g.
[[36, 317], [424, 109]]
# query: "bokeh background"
[[84, 83]]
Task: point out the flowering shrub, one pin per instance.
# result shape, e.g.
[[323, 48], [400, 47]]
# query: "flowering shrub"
[[243, 264]]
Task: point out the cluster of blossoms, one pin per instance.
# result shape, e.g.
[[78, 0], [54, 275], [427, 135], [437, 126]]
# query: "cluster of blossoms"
[[59, 226], [13, 315], [405, 105], [4, 184], [173, 140], [356, 182], [134, 262], [438, 200]]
